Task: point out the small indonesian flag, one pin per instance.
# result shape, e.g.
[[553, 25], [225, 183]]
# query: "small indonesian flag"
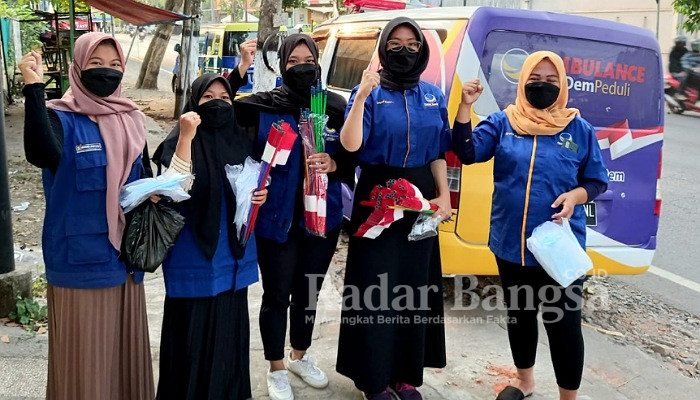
[[279, 144]]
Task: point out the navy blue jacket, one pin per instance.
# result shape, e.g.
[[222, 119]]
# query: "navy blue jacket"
[[406, 128], [189, 273], [77, 250], [529, 173], [284, 197]]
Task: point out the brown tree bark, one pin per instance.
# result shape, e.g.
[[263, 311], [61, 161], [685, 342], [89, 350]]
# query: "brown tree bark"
[[148, 75]]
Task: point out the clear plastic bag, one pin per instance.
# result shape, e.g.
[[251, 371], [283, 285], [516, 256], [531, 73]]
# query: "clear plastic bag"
[[424, 227], [150, 234], [244, 180], [555, 247], [169, 184]]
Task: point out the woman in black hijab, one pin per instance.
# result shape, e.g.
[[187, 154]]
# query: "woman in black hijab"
[[205, 337], [292, 262], [398, 127]]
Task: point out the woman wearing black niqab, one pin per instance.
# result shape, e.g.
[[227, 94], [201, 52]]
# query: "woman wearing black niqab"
[[292, 262], [398, 127], [205, 337]]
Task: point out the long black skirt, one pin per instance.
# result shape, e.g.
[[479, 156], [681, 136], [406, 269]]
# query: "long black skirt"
[[204, 349], [392, 320]]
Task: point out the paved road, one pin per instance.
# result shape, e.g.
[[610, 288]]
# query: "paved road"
[[676, 278], [138, 51]]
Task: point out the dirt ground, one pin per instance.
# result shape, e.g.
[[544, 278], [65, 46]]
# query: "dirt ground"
[[629, 316]]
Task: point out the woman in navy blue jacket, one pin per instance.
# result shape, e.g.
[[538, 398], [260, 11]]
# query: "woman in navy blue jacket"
[[398, 126], [546, 163], [89, 144], [204, 350], [293, 263]]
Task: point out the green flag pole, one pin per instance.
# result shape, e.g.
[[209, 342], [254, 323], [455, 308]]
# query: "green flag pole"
[[71, 15]]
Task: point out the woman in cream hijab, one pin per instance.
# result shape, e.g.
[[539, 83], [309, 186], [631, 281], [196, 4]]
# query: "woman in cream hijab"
[[547, 163]]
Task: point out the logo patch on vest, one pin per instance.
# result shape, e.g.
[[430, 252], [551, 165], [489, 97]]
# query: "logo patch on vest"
[[84, 148], [430, 100]]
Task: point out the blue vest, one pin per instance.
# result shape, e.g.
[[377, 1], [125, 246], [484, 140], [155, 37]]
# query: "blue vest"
[[76, 246], [189, 273], [276, 215]]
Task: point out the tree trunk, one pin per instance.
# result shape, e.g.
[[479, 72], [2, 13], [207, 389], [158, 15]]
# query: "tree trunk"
[[188, 61], [148, 75], [263, 78]]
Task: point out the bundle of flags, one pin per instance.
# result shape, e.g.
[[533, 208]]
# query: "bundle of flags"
[[389, 202], [279, 144], [312, 128]]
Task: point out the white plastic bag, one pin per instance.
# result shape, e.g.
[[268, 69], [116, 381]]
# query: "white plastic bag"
[[555, 247], [169, 184], [244, 180], [424, 227]]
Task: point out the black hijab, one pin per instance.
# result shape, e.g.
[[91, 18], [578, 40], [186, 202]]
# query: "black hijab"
[[285, 100], [212, 148], [402, 81]]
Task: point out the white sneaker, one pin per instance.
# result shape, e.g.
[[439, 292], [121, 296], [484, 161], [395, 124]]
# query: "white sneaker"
[[278, 387], [307, 370]]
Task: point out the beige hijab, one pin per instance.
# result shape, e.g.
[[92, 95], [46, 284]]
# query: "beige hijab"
[[528, 120]]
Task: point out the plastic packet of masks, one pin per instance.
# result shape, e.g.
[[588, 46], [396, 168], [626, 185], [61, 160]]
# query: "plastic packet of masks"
[[424, 227], [170, 184], [556, 249], [244, 180]]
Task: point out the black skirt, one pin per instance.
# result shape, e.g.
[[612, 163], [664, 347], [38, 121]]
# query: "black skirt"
[[392, 320], [204, 349]]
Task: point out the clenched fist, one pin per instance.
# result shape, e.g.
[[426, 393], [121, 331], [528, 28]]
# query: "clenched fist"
[[370, 80], [471, 90], [248, 51], [32, 68], [189, 122]]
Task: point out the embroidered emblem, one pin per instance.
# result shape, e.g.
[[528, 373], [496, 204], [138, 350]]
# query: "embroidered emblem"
[[84, 148]]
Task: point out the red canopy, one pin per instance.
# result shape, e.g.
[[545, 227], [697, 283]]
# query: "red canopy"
[[134, 12]]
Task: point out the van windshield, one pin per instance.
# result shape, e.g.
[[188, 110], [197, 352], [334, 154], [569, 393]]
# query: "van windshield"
[[233, 39], [608, 82]]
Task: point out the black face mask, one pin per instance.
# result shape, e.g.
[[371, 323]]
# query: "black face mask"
[[541, 94], [215, 113], [301, 77], [101, 81], [401, 62]]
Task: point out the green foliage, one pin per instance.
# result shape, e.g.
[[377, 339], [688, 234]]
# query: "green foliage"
[[292, 4], [691, 10], [29, 31], [227, 7], [39, 286], [63, 5], [30, 315]]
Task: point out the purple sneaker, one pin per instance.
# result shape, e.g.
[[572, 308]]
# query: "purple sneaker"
[[385, 395], [407, 392]]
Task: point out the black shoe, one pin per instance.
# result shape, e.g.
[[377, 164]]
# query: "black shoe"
[[512, 393]]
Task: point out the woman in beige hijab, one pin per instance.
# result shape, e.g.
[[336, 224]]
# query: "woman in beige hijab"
[[547, 163]]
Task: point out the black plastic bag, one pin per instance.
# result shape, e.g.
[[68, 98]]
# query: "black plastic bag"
[[150, 234]]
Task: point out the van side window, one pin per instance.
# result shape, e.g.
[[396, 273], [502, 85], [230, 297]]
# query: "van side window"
[[442, 34], [321, 46], [352, 56]]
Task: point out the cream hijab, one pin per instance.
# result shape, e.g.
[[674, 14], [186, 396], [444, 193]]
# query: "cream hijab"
[[528, 120]]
